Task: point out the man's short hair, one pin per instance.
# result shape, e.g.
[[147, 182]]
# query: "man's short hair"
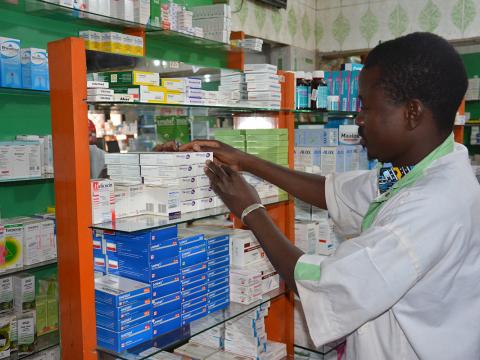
[[422, 66]]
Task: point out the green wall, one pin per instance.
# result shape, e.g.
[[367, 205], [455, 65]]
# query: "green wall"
[[22, 113]]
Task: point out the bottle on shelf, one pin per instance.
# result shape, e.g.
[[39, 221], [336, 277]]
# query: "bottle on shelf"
[[300, 90], [318, 98], [308, 83]]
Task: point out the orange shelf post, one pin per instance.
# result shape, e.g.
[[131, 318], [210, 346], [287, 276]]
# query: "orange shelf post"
[[72, 197]]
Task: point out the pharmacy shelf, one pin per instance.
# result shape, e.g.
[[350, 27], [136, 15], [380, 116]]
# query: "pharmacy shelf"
[[40, 178], [181, 335], [57, 12], [37, 266], [42, 343], [23, 92], [148, 222], [182, 109]]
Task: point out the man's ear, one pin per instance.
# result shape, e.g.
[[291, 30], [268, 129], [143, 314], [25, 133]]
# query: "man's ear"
[[414, 111]]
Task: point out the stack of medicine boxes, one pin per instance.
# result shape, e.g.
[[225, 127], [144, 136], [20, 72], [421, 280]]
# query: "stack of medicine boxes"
[[218, 266], [233, 88], [263, 86], [123, 312], [187, 272]]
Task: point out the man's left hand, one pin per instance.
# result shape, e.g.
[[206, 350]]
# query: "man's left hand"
[[231, 187]]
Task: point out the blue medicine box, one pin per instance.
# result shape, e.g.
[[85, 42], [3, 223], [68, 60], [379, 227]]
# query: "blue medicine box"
[[217, 241], [193, 256], [146, 250], [166, 323], [219, 262], [124, 340], [218, 294], [193, 281], [99, 263], [219, 273], [124, 311], [193, 304], [194, 292], [167, 304], [166, 285], [125, 323], [130, 269], [117, 291], [198, 313], [217, 252], [219, 304], [191, 241], [218, 284], [193, 270]]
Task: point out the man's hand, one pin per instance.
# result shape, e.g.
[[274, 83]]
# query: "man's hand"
[[226, 154], [168, 146], [231, 187]]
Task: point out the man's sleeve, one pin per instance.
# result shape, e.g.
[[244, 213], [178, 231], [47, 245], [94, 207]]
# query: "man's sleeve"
[[366, 276], [348, 196]]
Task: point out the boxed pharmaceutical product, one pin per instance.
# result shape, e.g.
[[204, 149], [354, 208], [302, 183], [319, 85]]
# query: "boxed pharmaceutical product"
[[174, 159], [112, 42], [93, 39], [117, 291], [127, 78], [124, 340], [123, 9], [24, 289], [103, 200], [123, 170], [194, 270], [165, 323], [195, 351], [6, 294], [166, 304], [162, 201], [141, 11], [174, 84], [193, 315], [10, 63], [166, 285], [12, 243], [35, 69], [26, 333], [122, 159], [260, 68]]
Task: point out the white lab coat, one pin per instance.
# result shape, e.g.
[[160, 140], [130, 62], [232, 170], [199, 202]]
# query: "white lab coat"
[[409, 286]]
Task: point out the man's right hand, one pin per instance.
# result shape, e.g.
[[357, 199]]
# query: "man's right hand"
[[224, 153]]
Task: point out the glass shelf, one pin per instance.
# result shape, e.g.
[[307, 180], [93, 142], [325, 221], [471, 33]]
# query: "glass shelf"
[[183, 334], [40, 178], [204, 110], [37, 266], [49, 10], [149, 222], [23, 92]]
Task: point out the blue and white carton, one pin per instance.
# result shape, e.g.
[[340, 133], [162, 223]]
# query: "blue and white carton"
[[118, 291], [10, 65], [35, 69]]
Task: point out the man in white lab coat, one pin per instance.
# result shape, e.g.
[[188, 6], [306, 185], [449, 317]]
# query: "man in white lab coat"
[[406, 285]]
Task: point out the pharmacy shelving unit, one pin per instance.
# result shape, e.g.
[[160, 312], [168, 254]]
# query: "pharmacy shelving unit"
[[68, 73]]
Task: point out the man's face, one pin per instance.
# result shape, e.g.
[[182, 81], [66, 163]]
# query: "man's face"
[[381, 122]]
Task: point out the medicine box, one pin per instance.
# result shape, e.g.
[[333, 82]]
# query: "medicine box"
[[166, 323], [218, 252], [103, 201], [24, 289], [266, 68], [186, 241], [121, 159], [218, 304], [218, 273], [218, 284], [122, 9], [175, 84], [127, 268], [172, 172], [194, 292], [25, 324], [218, 262], [35, 69], [193, 256], [194, 303], [6, 294], [124, 340], [167, 285], [193, 270], [126, 78], [124, 323], [10, 63], [162, 201], [129, 311], [166, 304], [13, 243], [117, 291], [196, 314], [175, 159], [194, 281]]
